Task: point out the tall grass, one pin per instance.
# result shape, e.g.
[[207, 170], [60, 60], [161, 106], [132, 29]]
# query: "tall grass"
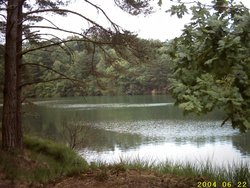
[[41, 161], [236, 172], [60, 159]]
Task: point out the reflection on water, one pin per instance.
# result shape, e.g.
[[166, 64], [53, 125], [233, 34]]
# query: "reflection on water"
[[242, 143], [149, 127], [191, 141], [158, 153]]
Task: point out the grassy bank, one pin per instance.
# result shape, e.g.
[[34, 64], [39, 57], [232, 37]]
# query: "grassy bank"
[[233, 174], [40, 162]]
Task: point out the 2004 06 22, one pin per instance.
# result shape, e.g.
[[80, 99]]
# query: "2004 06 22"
[[224, 184]]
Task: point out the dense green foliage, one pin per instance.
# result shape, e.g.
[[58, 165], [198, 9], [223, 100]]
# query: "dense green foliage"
[[94, 70], [211, 64]]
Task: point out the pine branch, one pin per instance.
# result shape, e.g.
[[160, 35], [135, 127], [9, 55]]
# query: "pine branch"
[[104, 13], [64, 47], [63, 76], [54, 28], [224, 121], [43, 81], [63, 42], [68, 11], [4, 16]]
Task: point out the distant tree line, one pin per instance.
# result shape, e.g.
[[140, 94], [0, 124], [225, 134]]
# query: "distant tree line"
[[95, 72]]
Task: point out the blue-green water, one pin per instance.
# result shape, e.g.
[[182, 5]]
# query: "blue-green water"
[[145, 127]]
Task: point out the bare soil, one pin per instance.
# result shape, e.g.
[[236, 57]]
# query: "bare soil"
[[126, 179]]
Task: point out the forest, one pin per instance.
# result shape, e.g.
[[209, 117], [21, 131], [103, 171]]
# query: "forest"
[[94, 71]]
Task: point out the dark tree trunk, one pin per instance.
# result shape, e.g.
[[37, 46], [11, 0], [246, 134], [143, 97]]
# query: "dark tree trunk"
[[19, 75], [11, 130]]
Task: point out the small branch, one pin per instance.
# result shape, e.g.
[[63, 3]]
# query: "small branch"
[[67, 49], [67, 11], [116, 27], [51, 22], [4, 16], [43, 81], [66, 41], [224, 121], [63, 76], [55, 28], [190, 2]]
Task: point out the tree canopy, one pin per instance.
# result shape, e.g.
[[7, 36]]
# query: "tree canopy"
[[211, 64]]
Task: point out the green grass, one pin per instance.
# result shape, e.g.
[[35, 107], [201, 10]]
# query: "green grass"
[[61, 159], [42, 162], [234, 173]]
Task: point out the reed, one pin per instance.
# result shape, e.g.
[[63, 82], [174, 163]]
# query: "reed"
[[234, 173]]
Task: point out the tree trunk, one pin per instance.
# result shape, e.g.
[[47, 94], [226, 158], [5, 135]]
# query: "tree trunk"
[[11, 135], [19, 129]]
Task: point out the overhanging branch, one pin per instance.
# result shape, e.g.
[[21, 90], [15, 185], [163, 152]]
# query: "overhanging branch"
[[62, 76], [68, 11], [43, 81], [63, 42], [66, 48], [55, 28], [104, 13]]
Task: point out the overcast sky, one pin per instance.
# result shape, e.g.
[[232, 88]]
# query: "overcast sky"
[[159, 25]]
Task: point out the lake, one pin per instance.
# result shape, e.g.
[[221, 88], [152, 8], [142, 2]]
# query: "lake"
[[148, 128]]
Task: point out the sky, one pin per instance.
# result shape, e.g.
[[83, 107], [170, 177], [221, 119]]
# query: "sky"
[[159, 25]]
